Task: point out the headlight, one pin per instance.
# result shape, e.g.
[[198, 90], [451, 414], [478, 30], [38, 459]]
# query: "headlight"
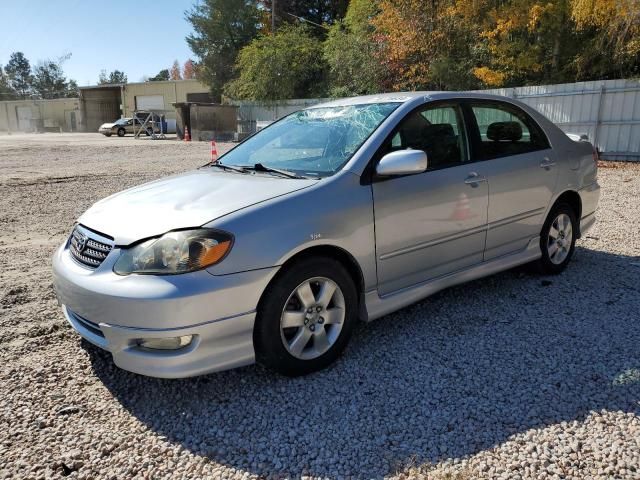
[[175, 252]]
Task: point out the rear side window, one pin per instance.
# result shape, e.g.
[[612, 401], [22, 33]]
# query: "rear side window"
[[506, 130]]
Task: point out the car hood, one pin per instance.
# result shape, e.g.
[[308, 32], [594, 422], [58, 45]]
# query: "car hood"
[[182, 201], [107, 125]]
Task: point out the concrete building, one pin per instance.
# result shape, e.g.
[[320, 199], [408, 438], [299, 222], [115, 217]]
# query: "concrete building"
[[106, 103], [63, 114]]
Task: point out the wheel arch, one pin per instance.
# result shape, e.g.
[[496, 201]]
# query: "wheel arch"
[[328, 251], [572, 198]]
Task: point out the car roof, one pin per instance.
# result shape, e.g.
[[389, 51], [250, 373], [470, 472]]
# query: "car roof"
[[404, 97]]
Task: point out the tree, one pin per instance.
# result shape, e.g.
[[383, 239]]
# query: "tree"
[[162, 75], [174, 74], [288, 64], [465, 44], [421, 43], [189, 70], [353, 52], [49, 80], [522, 41], [614, 43], [72, 89], [114, 77], [6, 92], [18, 71], [221, 29], [317, 11]]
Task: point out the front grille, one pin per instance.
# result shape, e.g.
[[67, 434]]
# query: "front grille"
[[86, 250]]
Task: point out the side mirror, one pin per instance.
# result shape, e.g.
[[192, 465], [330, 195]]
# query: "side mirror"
[[402, 162]]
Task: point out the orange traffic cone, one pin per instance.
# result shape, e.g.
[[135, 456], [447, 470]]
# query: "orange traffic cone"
[[187, 136], [214, 152], [462, 211]]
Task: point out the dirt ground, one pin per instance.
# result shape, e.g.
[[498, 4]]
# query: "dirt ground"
[[514, 376]]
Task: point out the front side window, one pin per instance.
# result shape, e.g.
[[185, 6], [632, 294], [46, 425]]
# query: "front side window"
[[438, 131], [505, 130], [313, 142]]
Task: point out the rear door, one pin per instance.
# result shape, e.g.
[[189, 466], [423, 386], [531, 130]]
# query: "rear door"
[[520, 167], [433, 223]]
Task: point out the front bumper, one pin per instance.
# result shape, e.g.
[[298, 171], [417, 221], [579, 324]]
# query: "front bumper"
[[114, 312], [218, 345]]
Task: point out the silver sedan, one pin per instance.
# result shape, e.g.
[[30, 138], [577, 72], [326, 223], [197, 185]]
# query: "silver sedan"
[[342, 212]]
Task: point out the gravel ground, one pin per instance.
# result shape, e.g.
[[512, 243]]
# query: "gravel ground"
[[512, 376]]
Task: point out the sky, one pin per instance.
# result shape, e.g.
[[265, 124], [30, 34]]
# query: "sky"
[[137, 37]]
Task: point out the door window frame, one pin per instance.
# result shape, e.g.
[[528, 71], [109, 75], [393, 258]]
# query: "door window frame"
[[477, 151], [455, 103]]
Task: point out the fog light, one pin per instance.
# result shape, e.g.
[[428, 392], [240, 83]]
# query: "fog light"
[[168, 343]]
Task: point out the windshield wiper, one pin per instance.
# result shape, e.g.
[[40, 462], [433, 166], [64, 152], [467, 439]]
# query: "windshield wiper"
[[258, 167], [226, 167]]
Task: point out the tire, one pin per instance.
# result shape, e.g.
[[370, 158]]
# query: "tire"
[[107, 134], [121, 132], [557, 250], [280, 348]]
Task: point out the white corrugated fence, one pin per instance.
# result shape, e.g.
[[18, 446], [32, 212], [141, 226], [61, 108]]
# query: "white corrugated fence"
[[607, 111]]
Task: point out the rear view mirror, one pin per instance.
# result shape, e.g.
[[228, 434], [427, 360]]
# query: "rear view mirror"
[[402, 162]]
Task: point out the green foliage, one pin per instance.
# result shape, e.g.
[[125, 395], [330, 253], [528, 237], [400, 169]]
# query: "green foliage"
[[221, 29], [352, 52], [18, 71], [317, 11], [6, 92], [289, 64], [49, 80], [161, 76], [114, 77], [368, 46]]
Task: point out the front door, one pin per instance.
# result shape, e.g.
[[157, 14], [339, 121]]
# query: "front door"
[[520, 167], [433, 223]]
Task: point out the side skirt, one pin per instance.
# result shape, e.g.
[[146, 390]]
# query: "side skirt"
[[378, 306]]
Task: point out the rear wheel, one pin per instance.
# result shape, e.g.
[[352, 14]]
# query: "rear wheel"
[[558, 239], [306, 317], [121, 132]]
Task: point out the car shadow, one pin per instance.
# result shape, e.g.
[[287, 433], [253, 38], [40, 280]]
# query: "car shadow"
[[448, 377]]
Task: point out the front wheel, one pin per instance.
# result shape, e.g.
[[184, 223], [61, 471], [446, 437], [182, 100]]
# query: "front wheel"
[[306, 317], [558, 239], [121, 132]]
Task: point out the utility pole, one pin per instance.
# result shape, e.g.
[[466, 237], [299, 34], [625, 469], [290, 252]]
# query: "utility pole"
[[273, 17]]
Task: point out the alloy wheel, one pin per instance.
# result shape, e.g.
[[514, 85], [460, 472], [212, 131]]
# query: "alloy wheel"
[[312, 318], [560, 239]]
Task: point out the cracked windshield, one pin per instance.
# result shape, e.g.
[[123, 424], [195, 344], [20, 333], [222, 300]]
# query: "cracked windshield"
[[314, 142]]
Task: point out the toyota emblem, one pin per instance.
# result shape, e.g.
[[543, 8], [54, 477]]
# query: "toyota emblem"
[[81, 242]]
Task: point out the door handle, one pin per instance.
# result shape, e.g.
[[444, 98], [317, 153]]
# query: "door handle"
[[547, 163], [474, 179]]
